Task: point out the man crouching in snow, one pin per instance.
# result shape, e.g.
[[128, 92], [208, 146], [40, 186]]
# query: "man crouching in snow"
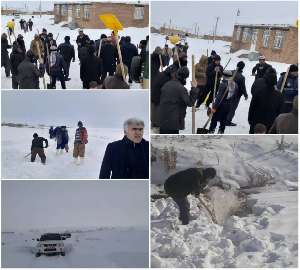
[[183, 183]]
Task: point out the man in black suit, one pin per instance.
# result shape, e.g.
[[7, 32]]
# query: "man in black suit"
[[127, 158]]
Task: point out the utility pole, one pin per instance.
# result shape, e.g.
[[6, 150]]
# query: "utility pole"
[[215, 30], [40, 8]]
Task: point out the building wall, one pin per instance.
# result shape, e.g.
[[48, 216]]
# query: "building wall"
[[124, 12], [287, 54]]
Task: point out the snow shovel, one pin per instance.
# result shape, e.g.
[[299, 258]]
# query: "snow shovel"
[[99, 50], [27, 155], [8, 36], [161, 64], [227, 63], [41, 61], [174, 40], [193, 107], [111, 22], [284, 79]]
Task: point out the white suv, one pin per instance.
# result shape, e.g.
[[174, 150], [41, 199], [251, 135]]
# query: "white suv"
[[50, 243]]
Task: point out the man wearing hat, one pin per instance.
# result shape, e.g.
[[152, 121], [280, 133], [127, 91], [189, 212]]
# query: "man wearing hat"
[[81, 139], [221, 106], [67, 51], [290, 89], [260, 68]]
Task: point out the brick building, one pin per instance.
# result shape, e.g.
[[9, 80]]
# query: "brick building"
[[276, 42], [86, 14]]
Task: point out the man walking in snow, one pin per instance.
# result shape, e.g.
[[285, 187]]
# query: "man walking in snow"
[[81, 139], [62, 139], [67, 51], [4, 54], [260, 68], [190, 181], [127, 158], [37, 148]]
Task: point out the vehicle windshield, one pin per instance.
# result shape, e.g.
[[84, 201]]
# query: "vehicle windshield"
[[50, 236]]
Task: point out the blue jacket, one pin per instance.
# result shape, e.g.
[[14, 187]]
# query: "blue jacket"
[[124, 159]]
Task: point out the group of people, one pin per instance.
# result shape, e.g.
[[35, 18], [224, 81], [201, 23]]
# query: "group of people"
[[100, 66], [60, 134], [127, 158], [273, 107]]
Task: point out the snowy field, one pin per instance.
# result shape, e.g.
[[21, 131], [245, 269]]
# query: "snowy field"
[[199, 47], [256, 211], [103, 247], [47, 21]]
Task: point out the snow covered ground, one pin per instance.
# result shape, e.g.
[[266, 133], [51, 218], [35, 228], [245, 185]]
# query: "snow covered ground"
[[199, 47], [47, 21], [257, 212], [103, 247]]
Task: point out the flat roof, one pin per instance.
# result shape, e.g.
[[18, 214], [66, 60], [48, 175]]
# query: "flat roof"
[[282, 26], [103, 1]]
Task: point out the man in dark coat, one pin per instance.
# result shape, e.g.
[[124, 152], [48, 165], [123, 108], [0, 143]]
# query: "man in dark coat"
[[90, 68], [67, 51], [266, 104], [241, 91], [30, 24], [221, 106], [51, 132], [290, 89], [109, 56], [211, 57], [4, 54], [57, 68], [174, 100], [260, 68], [16, 57], [62, 139], [28, 73], [212, 68], [37, 148], [82, 40], [116, 81], [127, 158], [183, 183], [128, 52]]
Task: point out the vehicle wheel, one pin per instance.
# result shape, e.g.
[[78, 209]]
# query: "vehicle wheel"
[[63, 254], [37, 254]]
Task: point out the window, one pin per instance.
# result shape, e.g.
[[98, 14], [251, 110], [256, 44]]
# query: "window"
[[64, 10], [278, 41], [238, 33], [77, 11], [138, 13], [246, 34], [86, 12], [57, 11], [266, 38]]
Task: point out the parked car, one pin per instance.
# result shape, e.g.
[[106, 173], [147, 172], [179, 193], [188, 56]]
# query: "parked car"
[[50, 243]]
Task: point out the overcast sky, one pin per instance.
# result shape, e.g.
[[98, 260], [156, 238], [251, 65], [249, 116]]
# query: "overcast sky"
[[28, 5], [44, 204], [187, 14], [99, 109]]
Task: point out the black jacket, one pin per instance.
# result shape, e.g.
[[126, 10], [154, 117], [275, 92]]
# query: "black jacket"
[[67, 51], [265, 106], [185, 182], [124, 159], [90, 69], [38, 143], [260, 70], [174, 100], [4, 47], [240, 81], [82, 41], [128, 52], [109, 55]]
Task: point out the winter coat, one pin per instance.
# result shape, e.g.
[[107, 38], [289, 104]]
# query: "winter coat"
[[83, 53], [211, 74], [285, 123], [258, 85], [114, 82], [155, 65], [290, 90], [58, 66], [174, 100], [4, 52], [260, 70], [109, 56], [62, 136], [200, 74], [67, 51], [90, 69], [225, 93], [82, 41], [124, 159], [185, 182], [265, 106], [15, 60], [38, 143], [240, 81], [81, 135], [19, 46], [128, 52], [35, 44], [28, 75]]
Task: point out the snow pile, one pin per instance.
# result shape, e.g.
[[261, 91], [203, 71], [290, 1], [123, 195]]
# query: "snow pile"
[[199, 47], [256, 224], [104, 247], [46, 21]]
